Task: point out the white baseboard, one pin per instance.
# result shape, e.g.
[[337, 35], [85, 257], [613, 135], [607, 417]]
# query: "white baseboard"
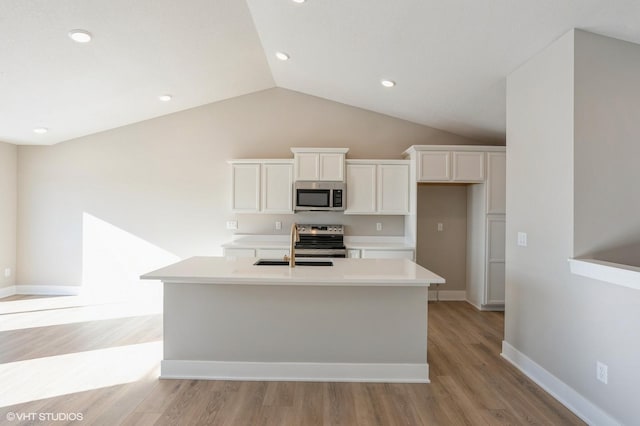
[[492, 308], [7, 291], [295, 371], [579, 405], [448, 295], [48, 290]]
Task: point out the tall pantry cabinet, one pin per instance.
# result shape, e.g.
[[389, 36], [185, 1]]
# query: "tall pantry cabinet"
[[486, 237], [483, 170]]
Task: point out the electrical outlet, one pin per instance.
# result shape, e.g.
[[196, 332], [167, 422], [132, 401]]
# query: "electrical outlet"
[[602, 372], [7, 272], [522, 239], [232, 224], [278, 225], [379, 226], [440, 227]]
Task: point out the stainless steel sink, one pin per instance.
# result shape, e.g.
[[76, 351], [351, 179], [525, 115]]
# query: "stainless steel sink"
[[279, 262]]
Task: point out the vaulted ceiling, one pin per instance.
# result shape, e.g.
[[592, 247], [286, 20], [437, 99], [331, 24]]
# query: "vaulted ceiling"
[[449, 59]]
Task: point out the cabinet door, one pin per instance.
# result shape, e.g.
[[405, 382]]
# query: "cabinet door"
[[245, 188], [307, 166], [277, 188], [434, 166], [361, 189], [494, 287], [393, 189], [496, 182], [468, 166], [332, 167], [387, 254]]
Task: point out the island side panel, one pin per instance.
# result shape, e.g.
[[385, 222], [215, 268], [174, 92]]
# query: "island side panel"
[[296, 324]]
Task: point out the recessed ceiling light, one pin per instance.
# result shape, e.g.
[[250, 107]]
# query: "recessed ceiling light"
[[388, 83], [298, 1], [40, 130], [165, 98], [80, 36], [282, 56]]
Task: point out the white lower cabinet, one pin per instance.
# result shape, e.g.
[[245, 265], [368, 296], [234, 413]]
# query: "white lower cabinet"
[[386, 254], [494, 287]]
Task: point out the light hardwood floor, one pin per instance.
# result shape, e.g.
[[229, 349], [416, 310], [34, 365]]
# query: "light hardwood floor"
[[470, 383]]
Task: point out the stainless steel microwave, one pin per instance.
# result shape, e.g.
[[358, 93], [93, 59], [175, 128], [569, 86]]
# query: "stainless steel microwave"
[[320, 196]]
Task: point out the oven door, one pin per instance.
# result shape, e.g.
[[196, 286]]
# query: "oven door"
[[335, 253]]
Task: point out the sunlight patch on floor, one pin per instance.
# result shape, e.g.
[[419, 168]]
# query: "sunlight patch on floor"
[[48, 311], [35, 379]]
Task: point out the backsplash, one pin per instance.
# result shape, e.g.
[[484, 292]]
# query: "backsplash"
[[359, 225]]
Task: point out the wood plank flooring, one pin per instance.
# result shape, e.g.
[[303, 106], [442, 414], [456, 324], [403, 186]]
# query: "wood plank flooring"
[[470, 383]]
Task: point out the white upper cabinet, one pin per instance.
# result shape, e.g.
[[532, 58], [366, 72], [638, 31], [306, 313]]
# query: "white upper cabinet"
[[393, 189], [468, 166], [319, 164], [262, 186], [440, 163], [277, 188], [361, 189], [245, 181], [434, 166], [377, 187], [496, 182]]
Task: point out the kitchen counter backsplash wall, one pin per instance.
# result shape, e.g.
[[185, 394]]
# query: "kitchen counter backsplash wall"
[[354, 224], [162, 188], [8, 207]]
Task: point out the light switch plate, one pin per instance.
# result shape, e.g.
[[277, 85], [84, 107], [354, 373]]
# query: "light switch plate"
[[7, 272], [232, 224]]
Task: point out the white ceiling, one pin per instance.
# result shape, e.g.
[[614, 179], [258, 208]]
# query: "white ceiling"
[[449, 58]]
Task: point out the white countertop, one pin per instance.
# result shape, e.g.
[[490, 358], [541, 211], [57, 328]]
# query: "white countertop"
[[344, 272]]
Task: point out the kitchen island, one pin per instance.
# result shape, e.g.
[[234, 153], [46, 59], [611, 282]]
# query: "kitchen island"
[[358, 320]]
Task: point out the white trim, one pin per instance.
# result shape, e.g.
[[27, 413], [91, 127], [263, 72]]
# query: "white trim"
[[615, 273], [297, 150], [295, 371], [484, 148], [49, 290], [581, 407], [491, 308], [7, 291], [447, 295], [261, 161]]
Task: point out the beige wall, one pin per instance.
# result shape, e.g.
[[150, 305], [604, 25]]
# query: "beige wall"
[[165, 182], [8, 208], [444, 253], [565, 323]]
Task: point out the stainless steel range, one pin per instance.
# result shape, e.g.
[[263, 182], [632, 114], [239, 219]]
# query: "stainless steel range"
[[321, 241]]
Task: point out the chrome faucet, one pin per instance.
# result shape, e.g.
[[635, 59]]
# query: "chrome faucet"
[[295, 237]]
